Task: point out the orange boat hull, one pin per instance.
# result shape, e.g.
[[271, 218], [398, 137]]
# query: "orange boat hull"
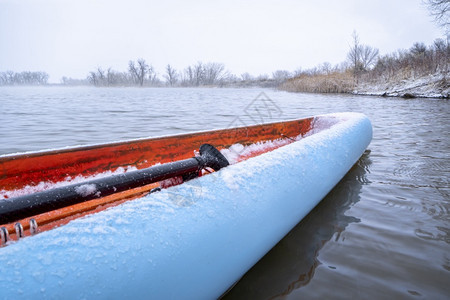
[[26, 171]]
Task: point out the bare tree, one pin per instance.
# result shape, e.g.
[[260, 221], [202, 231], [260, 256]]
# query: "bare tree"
[[188, 77], [368, 56], [110, 77], [361, 57], [101, 77], [143, 69], [198, 73], [281, 75], [152, 76], [3, 78], [213, 73], [133, 71], [92, 78], [247, 77], [440, 10], [138, 71], [10, 75], [326, 67], [442, 55], [171, 75], [418, 49], [262, 77], [41, 78], [354, 56]]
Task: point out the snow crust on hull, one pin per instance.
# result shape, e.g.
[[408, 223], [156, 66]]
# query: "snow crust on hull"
[[43, 185], [191, 241]]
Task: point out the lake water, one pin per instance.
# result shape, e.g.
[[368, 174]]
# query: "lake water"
[[382, 232]]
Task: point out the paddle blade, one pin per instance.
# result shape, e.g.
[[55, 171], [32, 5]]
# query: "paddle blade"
[[212, 157]]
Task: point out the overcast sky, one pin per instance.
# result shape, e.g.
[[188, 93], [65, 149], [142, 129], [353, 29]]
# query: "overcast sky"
[[72, 37]]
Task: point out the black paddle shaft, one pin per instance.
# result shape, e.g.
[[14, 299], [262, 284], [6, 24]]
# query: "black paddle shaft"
[[25, 206]]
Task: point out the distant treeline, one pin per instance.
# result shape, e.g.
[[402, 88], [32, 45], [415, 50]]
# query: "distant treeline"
[[141, 73], [364, 65], [23, 78]]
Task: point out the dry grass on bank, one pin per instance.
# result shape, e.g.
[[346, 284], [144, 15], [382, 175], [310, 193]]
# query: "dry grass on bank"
[[336, 82]]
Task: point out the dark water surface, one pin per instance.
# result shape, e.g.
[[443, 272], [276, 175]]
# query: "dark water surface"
[[382, 232]]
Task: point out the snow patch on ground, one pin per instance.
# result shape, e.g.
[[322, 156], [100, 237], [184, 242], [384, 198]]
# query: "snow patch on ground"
[[430, 86]]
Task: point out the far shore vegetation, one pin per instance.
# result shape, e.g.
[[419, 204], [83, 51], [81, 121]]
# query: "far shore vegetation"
[[418, 71], [364, 67]]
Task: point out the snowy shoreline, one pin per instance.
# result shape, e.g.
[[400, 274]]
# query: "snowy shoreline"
[[431, 86]]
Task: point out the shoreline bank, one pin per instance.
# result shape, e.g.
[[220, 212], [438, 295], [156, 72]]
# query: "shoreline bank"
[[429, 86]]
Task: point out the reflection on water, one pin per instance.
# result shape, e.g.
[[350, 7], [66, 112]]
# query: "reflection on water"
[[292, 262], [383, 232]]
